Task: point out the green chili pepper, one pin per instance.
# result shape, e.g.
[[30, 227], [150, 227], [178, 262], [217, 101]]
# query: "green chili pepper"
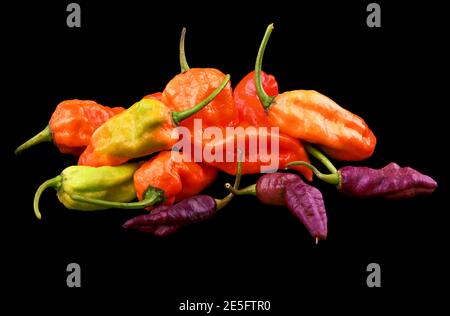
[[107, 183]]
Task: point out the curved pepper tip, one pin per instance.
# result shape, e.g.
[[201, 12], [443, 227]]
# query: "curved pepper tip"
[[51, 183], [183, 62]]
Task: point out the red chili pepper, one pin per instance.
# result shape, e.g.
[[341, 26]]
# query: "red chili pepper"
[[315, 118], [193, 85], [249, 107], [222, 152]]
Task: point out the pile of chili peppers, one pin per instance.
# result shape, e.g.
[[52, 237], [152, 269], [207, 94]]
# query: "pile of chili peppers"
[[169, 189]]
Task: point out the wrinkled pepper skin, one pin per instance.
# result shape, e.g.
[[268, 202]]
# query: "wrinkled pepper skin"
[[144, 128], [289, 148], [247, 102], [148, 126], [286, 189], [194, 85], [315, 118], [72, 124], [177, 178], [157, 230], [390, 182], [106, 183], [167, 219], [271, 187], [306, 203]]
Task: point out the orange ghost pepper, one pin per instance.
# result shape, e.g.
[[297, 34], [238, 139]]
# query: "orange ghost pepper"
[[177, 178], [247, 102], [144, 128], [315, 118], [71, 125], [194, 84], [222, 152]]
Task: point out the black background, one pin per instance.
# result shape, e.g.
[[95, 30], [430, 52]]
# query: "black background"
[[395, 77]]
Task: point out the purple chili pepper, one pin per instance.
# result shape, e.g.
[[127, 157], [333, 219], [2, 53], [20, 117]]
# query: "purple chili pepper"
[[390, 182], [167, 219], [306, 203], [271, 186], [158, 230], [288, 189]]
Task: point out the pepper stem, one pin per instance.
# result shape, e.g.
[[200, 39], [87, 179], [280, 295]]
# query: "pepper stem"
[[265, 99], [321, 157], [182, 115], [44, 136], [51, 183], [250, 190], [151, 197], [183, 62], [332, 178], [221, 203]]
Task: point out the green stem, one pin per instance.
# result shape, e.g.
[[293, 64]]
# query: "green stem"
[[321, 157], [183, 62], [237, 181], [51, 183], [250, 190], [182, 115], [265, 99], [151, 197], [332, 178], [44, 136]]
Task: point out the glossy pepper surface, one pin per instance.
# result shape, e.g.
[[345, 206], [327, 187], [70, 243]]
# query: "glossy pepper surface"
[[390, 182], [72, 124], [194, 85], [163, 180], [286, 189], [270, 188], [315, 118], [144, 128], [188, 211], [224, 150], [248, 105], [178, 179], [306, 203], [165, 220], [106, 183]]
